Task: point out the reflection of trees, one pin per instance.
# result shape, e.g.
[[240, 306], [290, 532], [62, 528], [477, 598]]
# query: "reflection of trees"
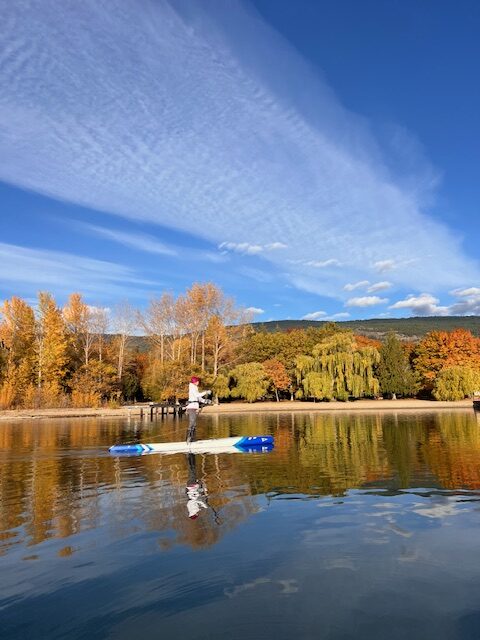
[[452, 451], [55, 483], [47, 491]]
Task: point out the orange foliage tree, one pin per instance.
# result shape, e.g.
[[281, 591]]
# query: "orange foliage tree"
[[440, 350]]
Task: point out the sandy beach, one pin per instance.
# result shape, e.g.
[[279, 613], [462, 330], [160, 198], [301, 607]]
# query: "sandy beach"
[[243, 407]]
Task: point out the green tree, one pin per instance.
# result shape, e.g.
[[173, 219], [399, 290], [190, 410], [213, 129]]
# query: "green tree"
[[394, 373], [349, 367], [251, 381], [220, 387], [456, 383]]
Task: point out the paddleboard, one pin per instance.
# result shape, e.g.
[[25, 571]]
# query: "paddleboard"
[[240, 444]]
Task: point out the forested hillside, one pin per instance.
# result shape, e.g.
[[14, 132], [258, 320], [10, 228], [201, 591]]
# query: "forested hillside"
[[378, 327]]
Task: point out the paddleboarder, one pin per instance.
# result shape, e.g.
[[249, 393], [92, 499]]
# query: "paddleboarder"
[[195, 399]]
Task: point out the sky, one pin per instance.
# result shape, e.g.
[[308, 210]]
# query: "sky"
[[316, 160]]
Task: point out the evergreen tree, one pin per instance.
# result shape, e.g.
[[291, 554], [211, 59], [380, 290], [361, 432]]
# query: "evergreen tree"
[[394, 372]]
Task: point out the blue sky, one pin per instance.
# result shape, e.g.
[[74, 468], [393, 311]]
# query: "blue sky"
[[315, 159]]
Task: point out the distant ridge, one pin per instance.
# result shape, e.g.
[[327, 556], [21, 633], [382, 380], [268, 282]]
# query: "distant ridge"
[[377, 327]]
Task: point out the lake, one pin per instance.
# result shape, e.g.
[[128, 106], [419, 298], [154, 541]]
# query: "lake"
[[362, 526]]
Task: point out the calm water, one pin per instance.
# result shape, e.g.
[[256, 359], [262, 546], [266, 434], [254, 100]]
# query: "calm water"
[[354, 526]]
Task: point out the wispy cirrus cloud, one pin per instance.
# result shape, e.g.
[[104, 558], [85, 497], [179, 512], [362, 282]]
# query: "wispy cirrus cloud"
[[139, 241], [65, 272], [154, 113], [251, 249]]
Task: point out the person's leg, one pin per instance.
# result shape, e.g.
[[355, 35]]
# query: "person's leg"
[[192, 423]]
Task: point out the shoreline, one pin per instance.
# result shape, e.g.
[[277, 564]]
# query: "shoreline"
[[285, 406]]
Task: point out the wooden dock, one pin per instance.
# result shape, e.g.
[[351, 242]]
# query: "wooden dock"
[[153, 410]]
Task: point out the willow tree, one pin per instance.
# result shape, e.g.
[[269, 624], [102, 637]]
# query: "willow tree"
[[456, 383], [342, 369], [251, 381]]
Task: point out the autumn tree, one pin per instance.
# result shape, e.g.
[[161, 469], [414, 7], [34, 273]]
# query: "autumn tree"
[[442, 349], [51, 347], [79, 322], [124, 325], [94, 383], [394, 372], [161, 324], [277, 373], [17, 351]]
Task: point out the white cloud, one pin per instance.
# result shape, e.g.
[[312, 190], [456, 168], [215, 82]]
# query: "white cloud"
[[241, 247], [273, 246], [427, 305], [356, 285], [314, 315], [165, 127], [256, 311], [140, 241], [251, 249], [384, 265], [365, 301], [472, 291], [423, 305], [379, 286], [321, 264], [469, 306]]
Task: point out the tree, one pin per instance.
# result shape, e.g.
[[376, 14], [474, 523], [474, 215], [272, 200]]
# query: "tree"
[[277, 373], [251, 381], [160, 322], [78, 319], [350, 368], [442, 349], [94, 383], [456, 383], [124, 323], [220, 387], [394, 373], [17, 351], [51, 348]]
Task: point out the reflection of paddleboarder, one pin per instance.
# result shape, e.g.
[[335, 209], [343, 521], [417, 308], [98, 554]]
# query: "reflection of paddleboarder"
[[195, 399], [195, 490]]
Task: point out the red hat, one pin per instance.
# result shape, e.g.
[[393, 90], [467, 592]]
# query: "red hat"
[[194, 379]]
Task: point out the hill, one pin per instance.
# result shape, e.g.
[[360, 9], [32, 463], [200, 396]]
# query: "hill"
[[407, 328]]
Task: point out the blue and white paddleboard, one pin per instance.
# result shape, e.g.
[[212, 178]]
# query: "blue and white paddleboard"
[[219, 445]]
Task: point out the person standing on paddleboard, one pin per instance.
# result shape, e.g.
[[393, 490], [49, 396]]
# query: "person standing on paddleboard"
[[195, 399]]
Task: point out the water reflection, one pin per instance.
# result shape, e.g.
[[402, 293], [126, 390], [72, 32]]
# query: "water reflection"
[[355, 526], [56, 480]]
